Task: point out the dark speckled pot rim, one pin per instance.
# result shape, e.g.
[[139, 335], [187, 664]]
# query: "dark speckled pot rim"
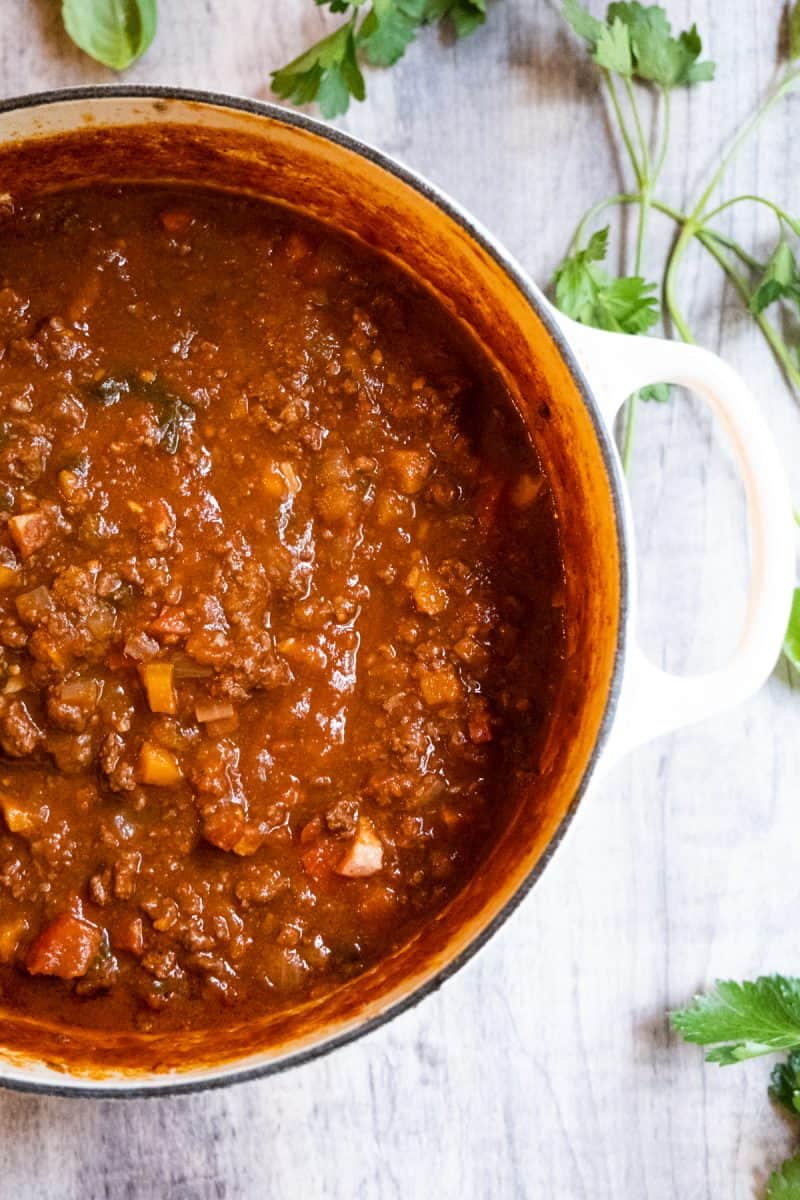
[[222, 1076]]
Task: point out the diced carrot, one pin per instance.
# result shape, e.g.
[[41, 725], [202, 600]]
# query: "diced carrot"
[[65, 948], [427, 590], [304, 650], [30, 531], [392, 509], [71, 486], [12, 931], [159, 684], [411, 469], [364, 855], [251, 839], [20, 818], [281, 480], [440, 687], [158, 766]]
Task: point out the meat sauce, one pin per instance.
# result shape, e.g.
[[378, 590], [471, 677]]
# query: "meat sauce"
[[280, 608]]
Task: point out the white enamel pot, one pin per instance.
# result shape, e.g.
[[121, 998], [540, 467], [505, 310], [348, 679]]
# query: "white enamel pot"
[[568, 383]]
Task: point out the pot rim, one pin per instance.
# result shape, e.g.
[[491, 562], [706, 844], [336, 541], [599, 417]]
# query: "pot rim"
[[222, 1076]]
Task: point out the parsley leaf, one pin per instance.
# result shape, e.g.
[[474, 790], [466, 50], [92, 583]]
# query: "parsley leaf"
[[613, 49], [466, 15], [784, 1184], [659, 393], [585, 25], [389, 28], [338, 6], [781, 279], [791, 642], [636, 40], [749, 1019], [660, 58], [785, 1083], [585, 291], [328, 72]]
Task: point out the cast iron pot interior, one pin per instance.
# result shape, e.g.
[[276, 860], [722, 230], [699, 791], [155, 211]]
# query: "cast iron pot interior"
[[143, 135]]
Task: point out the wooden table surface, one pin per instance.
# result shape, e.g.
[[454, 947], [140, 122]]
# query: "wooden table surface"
[[545, 1068]]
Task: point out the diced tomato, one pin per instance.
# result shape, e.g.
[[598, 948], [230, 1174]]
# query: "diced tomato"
[[128, 934], [29, 531], [171, 622], [65, 948], [319, 861], [310, 832]]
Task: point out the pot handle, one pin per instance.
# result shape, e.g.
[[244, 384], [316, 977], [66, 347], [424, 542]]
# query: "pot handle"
[[652, 701]]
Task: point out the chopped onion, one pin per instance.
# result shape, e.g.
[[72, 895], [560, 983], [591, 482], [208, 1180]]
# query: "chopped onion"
[[34, 606], [210, 710], [141, 647]]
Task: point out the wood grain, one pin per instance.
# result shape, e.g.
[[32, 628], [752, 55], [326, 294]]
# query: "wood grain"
[[545, 1069]]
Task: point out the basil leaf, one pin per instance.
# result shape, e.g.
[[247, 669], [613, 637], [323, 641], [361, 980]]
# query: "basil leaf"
[[114, 32]]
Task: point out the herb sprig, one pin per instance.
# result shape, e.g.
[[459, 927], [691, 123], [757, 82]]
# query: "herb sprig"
[[745, 1020], [117, 32], [637, 52], [379, 31]]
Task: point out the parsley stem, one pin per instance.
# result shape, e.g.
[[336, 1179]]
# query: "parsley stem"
[[621, 198], [643, 147], [623, 126], [665, 92], [629, 416], [780, 212], [750, 126], [730, 243], [776, 342]]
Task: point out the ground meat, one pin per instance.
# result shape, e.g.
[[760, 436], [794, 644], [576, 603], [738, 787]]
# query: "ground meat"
[[342, 816], [19, 733], [280, 618]]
